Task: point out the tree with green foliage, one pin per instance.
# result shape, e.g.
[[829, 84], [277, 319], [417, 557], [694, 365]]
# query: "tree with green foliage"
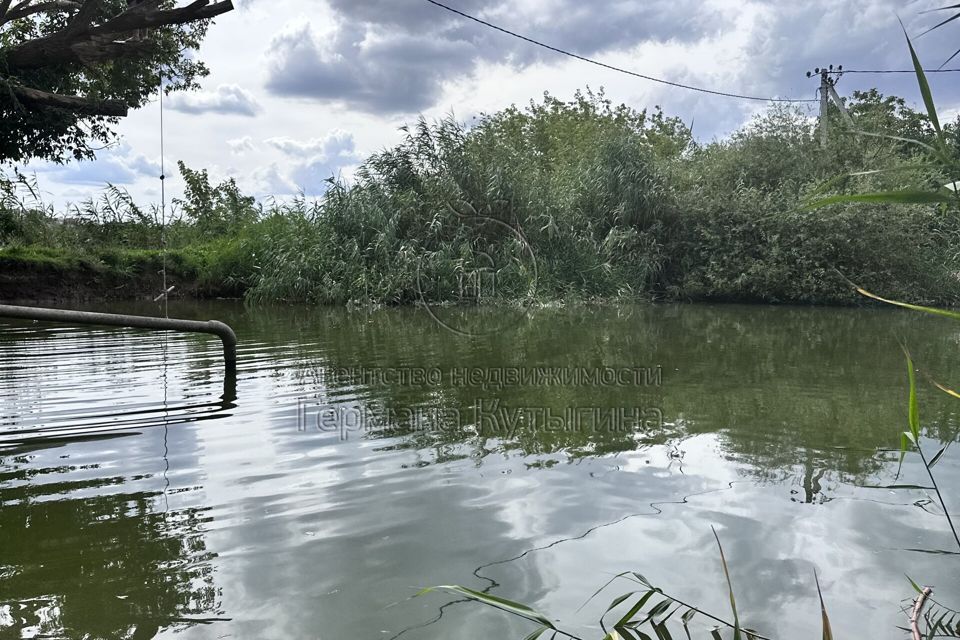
[[890, 115], [215, 210], [70, 69]]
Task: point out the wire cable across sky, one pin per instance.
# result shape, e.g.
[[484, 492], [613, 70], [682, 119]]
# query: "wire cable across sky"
[[570, 54], [899, 70]]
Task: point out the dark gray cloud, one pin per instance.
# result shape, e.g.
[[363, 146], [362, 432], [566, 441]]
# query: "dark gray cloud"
[[399, 73], [411, 17], [589, 28], [227, 99], [583, 27]]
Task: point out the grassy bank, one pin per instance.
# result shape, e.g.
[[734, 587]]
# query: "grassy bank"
[[44, 274], [576, 200]]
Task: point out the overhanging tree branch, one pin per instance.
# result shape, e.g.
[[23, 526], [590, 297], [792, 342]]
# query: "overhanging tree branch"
[[29, 8], [100, 49], [4, 8], [85, 106], [147, 15], [85, 43], [83, 17]]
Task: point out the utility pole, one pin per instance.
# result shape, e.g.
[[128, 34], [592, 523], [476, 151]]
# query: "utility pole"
[[824, 107], [828, 81]]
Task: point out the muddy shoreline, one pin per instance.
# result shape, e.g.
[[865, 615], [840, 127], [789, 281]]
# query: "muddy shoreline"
[[48, 284]]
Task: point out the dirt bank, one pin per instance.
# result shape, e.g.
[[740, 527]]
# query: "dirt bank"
[[41, 279]]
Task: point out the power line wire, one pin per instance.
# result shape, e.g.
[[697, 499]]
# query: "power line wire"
[[609, 66], [900, 70]]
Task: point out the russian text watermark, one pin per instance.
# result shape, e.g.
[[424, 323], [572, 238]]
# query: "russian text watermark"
[[496, 377], [486, 417]]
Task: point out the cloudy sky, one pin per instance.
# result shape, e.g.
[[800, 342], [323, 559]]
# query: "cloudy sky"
[[304, 89]]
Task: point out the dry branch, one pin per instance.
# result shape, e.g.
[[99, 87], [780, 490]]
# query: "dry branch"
[[917, 610]]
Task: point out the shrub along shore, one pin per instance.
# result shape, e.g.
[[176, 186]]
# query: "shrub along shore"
[[561, 201]]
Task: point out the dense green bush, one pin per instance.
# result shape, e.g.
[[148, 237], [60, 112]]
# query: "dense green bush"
[[613, 202]]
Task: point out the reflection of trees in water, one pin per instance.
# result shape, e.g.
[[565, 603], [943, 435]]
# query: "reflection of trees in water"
[[105, 566], [806, 392], [459, 422], [781, 388]]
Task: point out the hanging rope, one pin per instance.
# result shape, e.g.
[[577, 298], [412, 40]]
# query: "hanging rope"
[[163, 210]]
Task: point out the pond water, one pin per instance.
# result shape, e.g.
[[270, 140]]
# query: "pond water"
[[360, 456]]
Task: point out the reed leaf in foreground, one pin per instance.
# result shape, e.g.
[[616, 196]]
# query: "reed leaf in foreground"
[[827, 631], [906, 196], [733, 601], [503, 604], [946, 313], [948, 20], [913, 411], [913, 437]]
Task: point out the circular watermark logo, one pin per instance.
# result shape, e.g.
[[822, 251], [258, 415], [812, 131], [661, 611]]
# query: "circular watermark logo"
[[499, 281]]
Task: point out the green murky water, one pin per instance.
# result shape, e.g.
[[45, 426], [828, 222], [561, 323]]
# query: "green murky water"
[[363, 456]]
